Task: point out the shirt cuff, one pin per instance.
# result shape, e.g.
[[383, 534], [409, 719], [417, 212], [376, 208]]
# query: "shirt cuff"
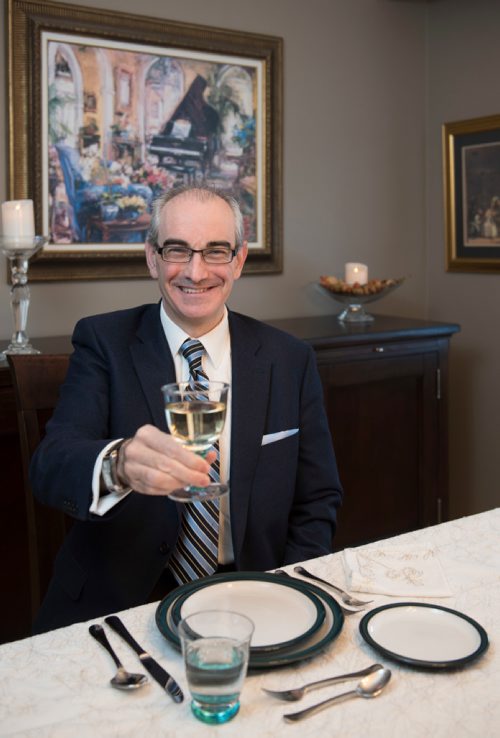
[[101, 505]]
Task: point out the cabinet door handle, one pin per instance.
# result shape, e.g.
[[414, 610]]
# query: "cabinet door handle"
[[379, 349]]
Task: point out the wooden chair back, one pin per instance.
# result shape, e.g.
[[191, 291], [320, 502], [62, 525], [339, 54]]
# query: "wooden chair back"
[[36, 379]]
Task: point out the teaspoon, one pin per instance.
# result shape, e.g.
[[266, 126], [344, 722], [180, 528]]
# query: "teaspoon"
[[370, 686], [122, 679]]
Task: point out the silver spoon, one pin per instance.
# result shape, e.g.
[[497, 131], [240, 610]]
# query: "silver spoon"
[[292, 695], [122, 679], [345, 596], [369, 686]]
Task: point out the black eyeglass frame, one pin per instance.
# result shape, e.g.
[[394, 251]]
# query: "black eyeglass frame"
[[231, 253]]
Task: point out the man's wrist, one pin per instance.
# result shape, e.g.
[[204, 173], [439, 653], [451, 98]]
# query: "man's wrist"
[[109, 470]]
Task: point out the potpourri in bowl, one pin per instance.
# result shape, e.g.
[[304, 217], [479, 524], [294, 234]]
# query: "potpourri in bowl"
[[356, 295], [372, 287]]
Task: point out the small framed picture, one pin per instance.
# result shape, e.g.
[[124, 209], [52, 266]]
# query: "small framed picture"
[[471, 157]]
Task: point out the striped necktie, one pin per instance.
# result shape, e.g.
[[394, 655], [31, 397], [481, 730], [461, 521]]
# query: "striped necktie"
[[196, 551]]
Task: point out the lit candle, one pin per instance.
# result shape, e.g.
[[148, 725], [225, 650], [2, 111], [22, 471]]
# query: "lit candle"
[[18, 220], [356, 273]]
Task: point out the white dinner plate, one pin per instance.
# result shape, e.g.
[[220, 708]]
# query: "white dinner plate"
[[281, 614], [424, 635], [305, 647]]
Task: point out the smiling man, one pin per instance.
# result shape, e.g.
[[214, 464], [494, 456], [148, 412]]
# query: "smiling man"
[[109, 461], [195, 291]]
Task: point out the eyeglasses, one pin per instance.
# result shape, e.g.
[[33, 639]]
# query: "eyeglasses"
[[184, 254]]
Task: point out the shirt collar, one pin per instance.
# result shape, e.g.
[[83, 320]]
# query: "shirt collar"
[[214, 342]]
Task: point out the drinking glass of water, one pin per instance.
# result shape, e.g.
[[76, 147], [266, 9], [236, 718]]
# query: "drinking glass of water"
[[196, 413], [215, 647]]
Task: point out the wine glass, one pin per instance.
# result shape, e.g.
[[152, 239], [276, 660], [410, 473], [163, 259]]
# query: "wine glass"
[[196, 412]]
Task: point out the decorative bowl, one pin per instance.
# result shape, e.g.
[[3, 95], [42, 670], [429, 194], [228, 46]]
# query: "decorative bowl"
[[355, 296]]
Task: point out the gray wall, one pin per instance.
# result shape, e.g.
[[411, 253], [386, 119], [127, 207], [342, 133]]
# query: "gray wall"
[[463, 82], [367, 84]]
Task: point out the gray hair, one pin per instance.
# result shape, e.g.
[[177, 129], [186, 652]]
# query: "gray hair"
[[202, 193]]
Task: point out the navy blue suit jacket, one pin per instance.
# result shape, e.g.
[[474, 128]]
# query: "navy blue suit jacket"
[[284, 494]]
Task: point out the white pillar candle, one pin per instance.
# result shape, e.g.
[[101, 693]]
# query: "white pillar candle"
[[18, 219], [356, 273]]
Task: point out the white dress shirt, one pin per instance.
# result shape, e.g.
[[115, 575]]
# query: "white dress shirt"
[[217, 365]]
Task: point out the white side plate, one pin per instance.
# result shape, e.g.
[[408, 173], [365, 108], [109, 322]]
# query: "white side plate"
[[425, 635]]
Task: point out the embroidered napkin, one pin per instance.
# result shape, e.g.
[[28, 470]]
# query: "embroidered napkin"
[[404, 572]]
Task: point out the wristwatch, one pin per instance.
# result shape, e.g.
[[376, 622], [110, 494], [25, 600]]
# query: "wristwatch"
[[109, 471]]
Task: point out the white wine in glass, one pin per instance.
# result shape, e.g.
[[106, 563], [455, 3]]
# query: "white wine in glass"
[[196, 412]]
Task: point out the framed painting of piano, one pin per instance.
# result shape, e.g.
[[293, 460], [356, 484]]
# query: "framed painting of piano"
[[107, 110]]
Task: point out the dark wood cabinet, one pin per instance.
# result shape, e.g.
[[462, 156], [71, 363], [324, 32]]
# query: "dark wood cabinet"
[[385, 385], [386, 388]]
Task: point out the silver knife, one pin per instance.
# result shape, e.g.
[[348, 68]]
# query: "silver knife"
[[157, 672]]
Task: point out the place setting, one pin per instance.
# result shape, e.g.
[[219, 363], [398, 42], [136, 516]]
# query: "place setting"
[[232, 624], [292, 620]]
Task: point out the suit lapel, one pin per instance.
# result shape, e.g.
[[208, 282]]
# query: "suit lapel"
[[250, 394], [153, 363]]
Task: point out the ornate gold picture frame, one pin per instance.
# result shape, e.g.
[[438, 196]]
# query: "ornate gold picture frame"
[[106, 109]]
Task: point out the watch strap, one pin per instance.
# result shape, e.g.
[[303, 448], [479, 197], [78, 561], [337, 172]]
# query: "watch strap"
[[109, 471]]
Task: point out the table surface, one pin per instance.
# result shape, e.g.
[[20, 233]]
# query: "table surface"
[[57, 684]]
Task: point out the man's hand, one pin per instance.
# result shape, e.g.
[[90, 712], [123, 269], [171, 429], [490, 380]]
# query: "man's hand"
[[154, 463]]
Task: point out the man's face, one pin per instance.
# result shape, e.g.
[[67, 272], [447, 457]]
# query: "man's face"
[[194, 294]]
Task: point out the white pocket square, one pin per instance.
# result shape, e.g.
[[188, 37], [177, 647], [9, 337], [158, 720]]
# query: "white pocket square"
[[272, 437]]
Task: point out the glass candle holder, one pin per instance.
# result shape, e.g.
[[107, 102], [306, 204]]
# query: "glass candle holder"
[[19, 251]]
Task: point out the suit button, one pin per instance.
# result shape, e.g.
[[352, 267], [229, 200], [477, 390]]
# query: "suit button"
[[164, 548]]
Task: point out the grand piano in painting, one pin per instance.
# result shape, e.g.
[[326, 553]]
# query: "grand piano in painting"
[[187, 141]]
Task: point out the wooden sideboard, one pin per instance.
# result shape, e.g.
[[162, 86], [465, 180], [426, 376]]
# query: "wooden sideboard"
[[386, 390]]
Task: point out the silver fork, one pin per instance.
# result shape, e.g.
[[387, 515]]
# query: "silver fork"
[[346, 598], [346, 610], [292, 695]]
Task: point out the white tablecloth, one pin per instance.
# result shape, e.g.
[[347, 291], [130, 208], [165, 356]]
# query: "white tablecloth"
[[57, 684]]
